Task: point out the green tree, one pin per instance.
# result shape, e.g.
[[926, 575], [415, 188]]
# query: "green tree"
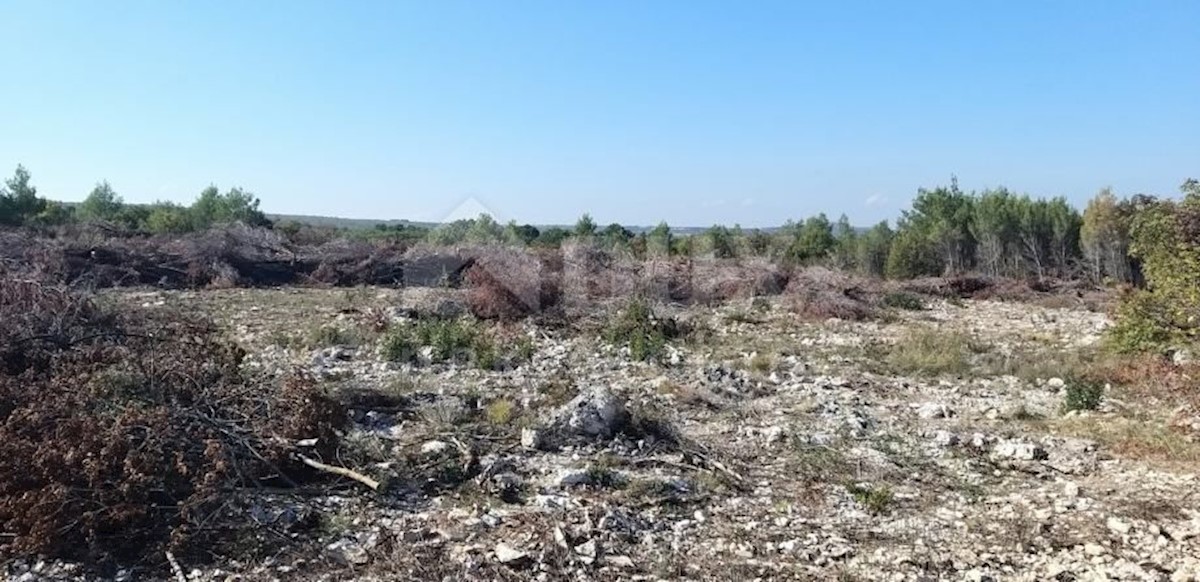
[[996, 229], [212, 208], [1104, 236], [911, 254], [659, 240], [585, 227], [552, 237], [102, 204], [874, 246], [720, 242], [1165, 236], [615, 235], [758, 243], [484, 230], [943, 217], [168, 218], [19, 201], [845, 244], [812, 240]]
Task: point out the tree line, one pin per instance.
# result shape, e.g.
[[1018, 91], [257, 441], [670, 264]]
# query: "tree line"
[[945, 231], [20, 205]]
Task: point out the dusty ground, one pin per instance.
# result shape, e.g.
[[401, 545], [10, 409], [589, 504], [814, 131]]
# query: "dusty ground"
[[762, 447]]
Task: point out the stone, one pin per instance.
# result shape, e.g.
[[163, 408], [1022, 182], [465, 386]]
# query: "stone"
[[532, 438], [1071, 490], [1019, 451], [510, 556], [433, 447], [619, 561], [1117, 526], [1056, 383], [1092, 549], [945, 438], [587, 551], [932, 410]]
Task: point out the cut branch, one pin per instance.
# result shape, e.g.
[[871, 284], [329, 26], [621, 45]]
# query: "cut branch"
[[344, 472]]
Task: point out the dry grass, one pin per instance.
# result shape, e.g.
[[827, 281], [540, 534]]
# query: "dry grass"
[[1139, 438], [929, 352]]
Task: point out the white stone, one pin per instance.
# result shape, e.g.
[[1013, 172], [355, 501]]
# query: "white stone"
[[506, 554]]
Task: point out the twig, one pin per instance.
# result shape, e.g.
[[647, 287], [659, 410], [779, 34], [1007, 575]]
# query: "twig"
[[350, 473], [175, 568]]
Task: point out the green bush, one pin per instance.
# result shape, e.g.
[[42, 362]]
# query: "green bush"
[[1165, 236], [1082, 394], [876, 499], [902, 300], [458, 341], [637, 327]]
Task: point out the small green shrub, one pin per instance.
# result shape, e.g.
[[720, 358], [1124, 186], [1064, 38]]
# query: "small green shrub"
[[1082, 394], [330, 335], [876, 499], [484, 353], [903, 300], [525, 348], [458, 341], [604, 477], [641, 330], [449, 340]]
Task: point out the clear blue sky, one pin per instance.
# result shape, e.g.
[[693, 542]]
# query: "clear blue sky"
[[695, 112]]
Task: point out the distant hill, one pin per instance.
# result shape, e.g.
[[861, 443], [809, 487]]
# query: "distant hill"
[[366, 223], [348, 223]]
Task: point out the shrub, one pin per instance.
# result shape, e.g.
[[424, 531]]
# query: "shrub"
[[905, 301], [1082, 394], [637, 327], [1166, 238], [448, 340], [876, 499]]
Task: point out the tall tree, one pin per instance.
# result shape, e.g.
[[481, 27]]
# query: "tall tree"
[[873, 248], [102, 204], [585, 227], [19, 201], [845, 244], [943, 216], [995, 227], [1104, 235]]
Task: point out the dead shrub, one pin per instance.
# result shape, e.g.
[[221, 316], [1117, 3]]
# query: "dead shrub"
[[509, 285], [817, 293], [123, 432]]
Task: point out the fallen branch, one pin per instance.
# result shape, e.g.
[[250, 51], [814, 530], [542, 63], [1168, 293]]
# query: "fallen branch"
[[344, 472]]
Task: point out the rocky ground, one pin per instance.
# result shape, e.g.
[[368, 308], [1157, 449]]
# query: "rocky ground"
[[927, 445]]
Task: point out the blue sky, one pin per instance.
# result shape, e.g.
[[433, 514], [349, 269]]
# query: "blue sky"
[[695, 112]]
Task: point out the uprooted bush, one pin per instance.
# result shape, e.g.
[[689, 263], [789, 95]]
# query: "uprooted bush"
[[122, 432], [508, 284], [818, 294]]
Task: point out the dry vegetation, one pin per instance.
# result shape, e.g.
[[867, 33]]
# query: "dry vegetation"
[[578, 414]]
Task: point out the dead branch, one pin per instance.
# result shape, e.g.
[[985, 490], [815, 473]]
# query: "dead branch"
[[344, 472]]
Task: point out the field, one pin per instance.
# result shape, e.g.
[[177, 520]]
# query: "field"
[[932, 438]]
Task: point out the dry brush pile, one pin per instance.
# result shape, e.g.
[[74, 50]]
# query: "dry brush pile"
[[122, 432]]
